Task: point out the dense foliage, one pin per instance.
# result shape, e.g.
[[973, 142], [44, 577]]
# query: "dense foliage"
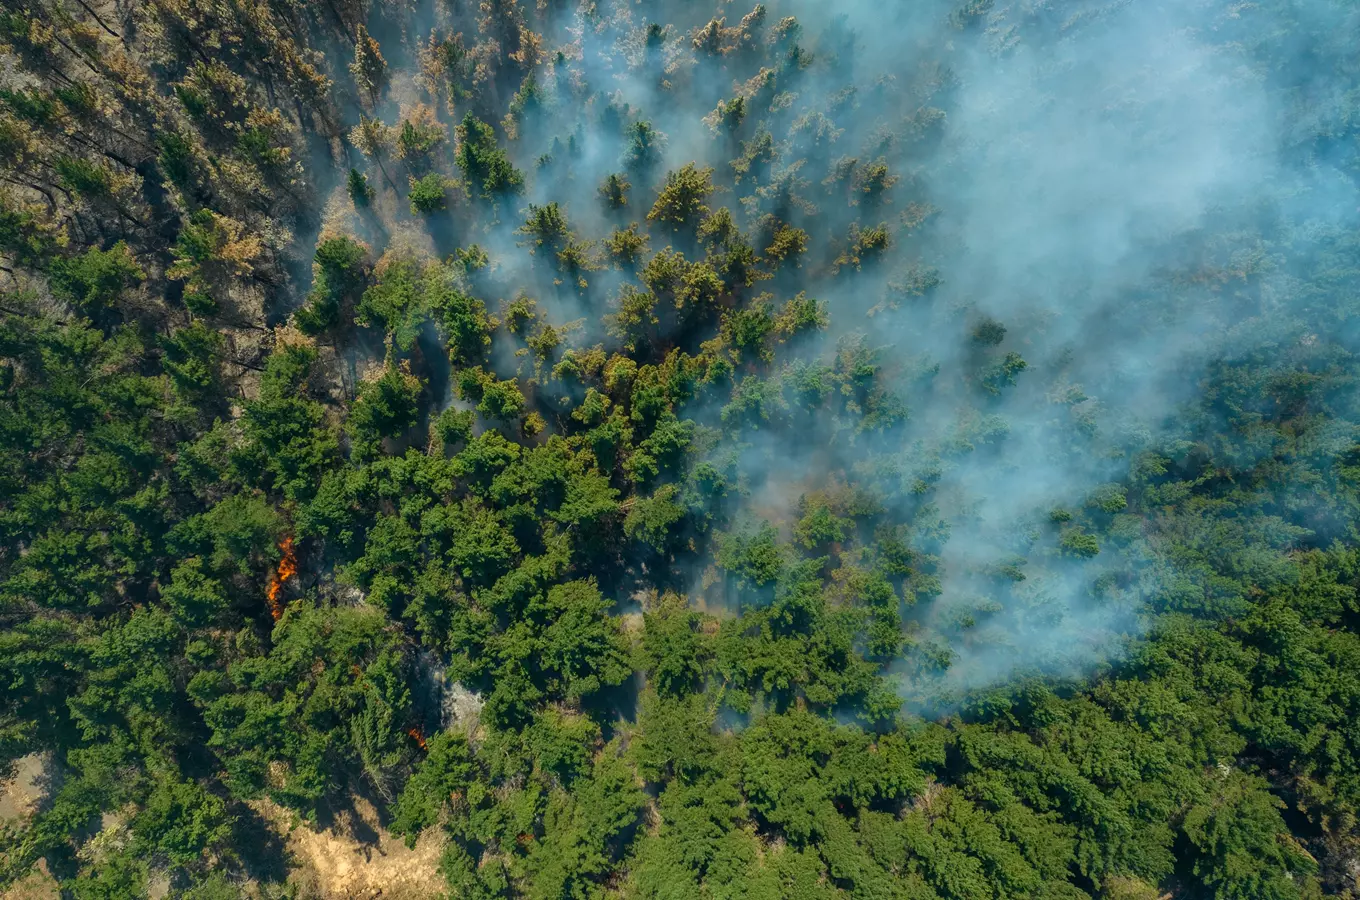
[[635, 446]]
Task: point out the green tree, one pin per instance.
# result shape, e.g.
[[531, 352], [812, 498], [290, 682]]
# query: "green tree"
[[429, 194], [386, 407], [96, 279], [673, 648], [681, 201], [482, 162]]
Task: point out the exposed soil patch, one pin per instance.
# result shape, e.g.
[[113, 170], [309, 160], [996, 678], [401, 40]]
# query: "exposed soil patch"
[[26, 787], [358, 858]]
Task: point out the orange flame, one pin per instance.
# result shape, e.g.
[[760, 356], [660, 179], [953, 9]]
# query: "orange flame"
[[417, 736], [287, 569]]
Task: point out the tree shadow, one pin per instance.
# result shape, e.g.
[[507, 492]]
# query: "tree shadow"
[[262, 851], [340, 812]]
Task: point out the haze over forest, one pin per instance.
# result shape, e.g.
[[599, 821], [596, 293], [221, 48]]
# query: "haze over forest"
[[635, 450]]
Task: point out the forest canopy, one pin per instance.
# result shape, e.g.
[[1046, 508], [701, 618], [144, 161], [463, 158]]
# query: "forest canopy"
[[653, 450]]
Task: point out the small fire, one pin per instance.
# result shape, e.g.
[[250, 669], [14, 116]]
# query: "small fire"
[[417, 736], [287, 569]]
